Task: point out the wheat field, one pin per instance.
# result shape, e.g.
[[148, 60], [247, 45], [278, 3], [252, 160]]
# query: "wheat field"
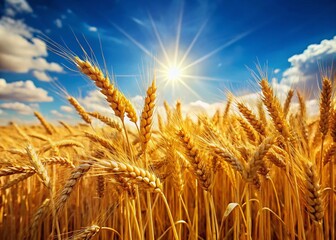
[[265, 172]]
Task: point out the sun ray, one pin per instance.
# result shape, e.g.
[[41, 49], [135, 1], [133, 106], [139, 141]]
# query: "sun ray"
[[159, 38], [192, 43], [225, 45], [178, 35], [203, 77], [139, 45], [190, 89]]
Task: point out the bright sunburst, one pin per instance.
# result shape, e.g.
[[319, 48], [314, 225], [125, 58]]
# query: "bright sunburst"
[[174, 73], [174, 67]]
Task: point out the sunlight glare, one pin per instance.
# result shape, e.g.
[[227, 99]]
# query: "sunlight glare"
[[173, 73]]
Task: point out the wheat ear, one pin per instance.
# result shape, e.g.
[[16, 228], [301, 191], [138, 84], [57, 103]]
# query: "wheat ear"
[[288, 100], [59, 144], [250, 132], [108, 121], [228, 157], [76, 175], [168, 111], [261, 113], [37, 164], [252, 119], [100, 186], [66, 126], [227, 107], [16, 180], [325, 106], [102, 141], [273, 106], [57, 160], [147, 115], [80, 110], [256, 163], [88, 233], [44, 123], [178, 110], [113, 96], [37, 218], [136, 174], [333, 124], [20, 131], [201, 164], [313, 195], [329, 154], [16, 170]]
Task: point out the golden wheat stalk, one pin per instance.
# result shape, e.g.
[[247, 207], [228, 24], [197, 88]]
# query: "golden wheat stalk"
[[200, 163], [88, 233], [329, 154], [57, 160], [76, 175], [227, 107], [256, 163], [252, 119], [38, 166], [228, 157], [288, 100], [44, 123], [333, 124], [313, 194], [102, 141], [250, 132], [108, 121], [80, 109], [37, 218], [325, 106], [17, 180], [118, 102], [273, 106], [16, 170], [66, 126], [136, 174], [60, 144], [147, 115], [100, 186], [20, 131]]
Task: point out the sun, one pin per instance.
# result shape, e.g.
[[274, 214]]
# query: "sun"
[[174, 66], [174, 73]]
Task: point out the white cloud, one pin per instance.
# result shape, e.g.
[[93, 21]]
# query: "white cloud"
[[18, 107], [137, 101], [92, 29], [17, 27], [58, 23], [24, 91], [66, 109], [17, 6], [276, 71], [304, 69], [56, 113], [95, 101], [42, 76], [21, 52]]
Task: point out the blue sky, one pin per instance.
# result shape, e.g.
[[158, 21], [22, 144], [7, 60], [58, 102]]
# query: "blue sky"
[[291, 37]]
